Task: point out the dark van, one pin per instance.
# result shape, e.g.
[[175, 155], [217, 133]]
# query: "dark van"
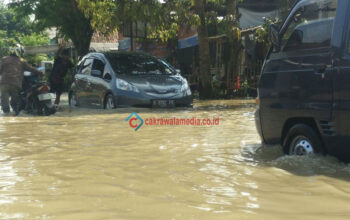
[[304, 89]]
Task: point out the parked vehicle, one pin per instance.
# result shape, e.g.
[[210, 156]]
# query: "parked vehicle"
[[35, 97], [120, 79], [304, 89]]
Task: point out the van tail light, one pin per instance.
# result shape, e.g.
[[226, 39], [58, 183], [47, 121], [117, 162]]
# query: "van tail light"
[[257, 101]]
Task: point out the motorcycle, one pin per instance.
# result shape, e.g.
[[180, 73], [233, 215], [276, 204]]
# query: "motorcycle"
[[35, 97]]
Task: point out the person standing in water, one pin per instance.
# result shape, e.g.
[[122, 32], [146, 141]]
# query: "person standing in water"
[[12, 70], [60, 68]]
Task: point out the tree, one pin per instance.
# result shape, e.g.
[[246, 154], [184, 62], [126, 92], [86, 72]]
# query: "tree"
[[62, 14], [34, 39], [205, 88], [108, 15], [163, 19], [12, 23], [12, 27], [233, 35]]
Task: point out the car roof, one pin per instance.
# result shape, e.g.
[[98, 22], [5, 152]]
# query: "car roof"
[[118, 53]]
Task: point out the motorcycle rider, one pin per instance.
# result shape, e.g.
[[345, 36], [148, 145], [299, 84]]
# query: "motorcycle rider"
[[12, 69]]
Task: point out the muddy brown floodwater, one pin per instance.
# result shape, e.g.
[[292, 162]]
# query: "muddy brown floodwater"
[[89, 164]]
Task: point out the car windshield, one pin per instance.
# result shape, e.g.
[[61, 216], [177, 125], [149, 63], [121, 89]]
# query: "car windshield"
[[139, 64]]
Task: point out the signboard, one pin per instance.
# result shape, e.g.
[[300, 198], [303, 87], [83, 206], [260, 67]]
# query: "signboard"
[[187, 37]]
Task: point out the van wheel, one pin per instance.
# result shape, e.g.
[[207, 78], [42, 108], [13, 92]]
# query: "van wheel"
[[302, 140], [109, 102]]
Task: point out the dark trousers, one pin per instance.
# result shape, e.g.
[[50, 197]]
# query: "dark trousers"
[[58, 89], [7, 92]]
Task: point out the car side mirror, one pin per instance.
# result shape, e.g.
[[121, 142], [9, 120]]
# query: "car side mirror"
[[178, 71], [107, 77], [274, 35], [96, 73]]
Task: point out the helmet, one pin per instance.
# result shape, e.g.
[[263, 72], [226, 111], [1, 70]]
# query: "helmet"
[[17, 50]]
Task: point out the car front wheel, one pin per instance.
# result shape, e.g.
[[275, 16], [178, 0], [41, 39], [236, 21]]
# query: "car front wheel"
[[302, 140], [109, 102]]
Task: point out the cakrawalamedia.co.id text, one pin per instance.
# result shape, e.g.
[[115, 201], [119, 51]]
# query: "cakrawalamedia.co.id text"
[[174, 121]]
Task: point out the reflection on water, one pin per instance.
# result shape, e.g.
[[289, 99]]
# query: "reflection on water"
[[89, 164]]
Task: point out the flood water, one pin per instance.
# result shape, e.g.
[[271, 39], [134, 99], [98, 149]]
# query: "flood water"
[[89, 164]]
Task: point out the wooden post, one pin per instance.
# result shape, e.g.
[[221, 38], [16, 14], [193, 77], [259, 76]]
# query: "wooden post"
[[132, 37]]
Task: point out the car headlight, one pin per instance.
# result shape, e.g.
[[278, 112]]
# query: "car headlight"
[[124, 85], [185, 88]]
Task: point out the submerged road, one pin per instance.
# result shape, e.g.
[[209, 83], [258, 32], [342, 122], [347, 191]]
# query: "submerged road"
[[90, 164]]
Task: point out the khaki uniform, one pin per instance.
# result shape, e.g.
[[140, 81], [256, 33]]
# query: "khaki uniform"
[[11, 70]]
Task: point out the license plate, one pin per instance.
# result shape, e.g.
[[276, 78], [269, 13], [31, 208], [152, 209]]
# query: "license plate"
[[46, 96], [163, 103]]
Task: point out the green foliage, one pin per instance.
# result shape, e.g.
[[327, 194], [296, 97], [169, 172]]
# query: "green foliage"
[[34, 39], [102, 13], [18, 29], [65, 15], [164, 18], [10, 24], [262, 34], [5, 43], [107, 15], [15, 28], [36, 59], [13, 23], [26, 40]]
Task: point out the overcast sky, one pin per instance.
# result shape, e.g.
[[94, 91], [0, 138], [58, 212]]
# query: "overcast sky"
[[5, 1]]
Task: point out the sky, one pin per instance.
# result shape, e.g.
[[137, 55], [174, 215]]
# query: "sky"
[[5, 1]]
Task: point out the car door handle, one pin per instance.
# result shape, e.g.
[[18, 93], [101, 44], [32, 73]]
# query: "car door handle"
[[321, 69]]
